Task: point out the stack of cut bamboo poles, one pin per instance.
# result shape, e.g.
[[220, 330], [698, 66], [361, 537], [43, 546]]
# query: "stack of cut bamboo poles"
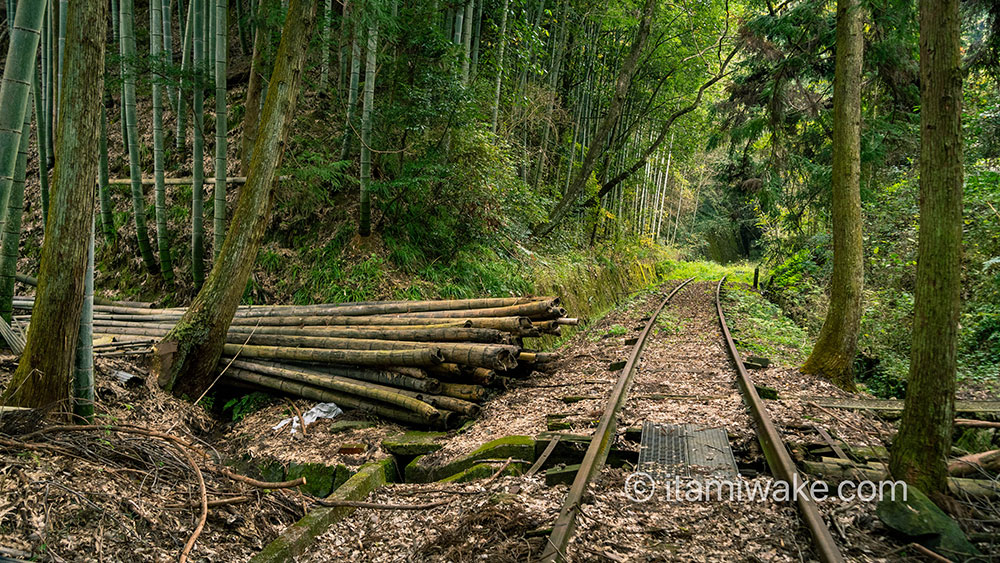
[[429, 363]]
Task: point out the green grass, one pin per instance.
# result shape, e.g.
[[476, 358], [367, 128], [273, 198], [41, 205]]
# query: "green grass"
[[702, 270], [617, 330], [761, 329], [668, 323]]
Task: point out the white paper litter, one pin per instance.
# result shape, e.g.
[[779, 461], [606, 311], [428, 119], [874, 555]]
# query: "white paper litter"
[[322, 410]]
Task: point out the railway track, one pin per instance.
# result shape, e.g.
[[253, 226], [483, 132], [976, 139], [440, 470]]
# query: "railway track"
[[620, 407]]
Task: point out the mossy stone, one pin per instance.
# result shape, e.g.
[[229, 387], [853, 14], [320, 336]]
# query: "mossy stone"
[[484, 471], [422, 470], [920, 519], [414, 442], [321, 480]]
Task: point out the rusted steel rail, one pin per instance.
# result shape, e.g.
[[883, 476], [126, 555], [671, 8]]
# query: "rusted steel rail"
[[600, 444], [778, 458]]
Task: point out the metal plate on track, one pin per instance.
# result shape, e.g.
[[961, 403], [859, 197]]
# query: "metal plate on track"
[[689, 451]]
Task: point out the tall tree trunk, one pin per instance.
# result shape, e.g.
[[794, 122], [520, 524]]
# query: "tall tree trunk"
[[365, 218], [83, 372], [180, 139], [42, 376], [833, 354], [41, 132], [209, 37], [502, 40], [476, 31], [221, 127], [352, 95], [324, 57], [600, 137], [198, 145], [162, 237], [62, 48], [255, 85], [168, 48], [466, 42], [920, 450], [185, 359], [10, 224], [138, 197], [107, 215], [15, 89], [46, 83]]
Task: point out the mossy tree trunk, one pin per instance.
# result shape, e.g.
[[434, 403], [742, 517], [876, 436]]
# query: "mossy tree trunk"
[[132, 132], [833, 355], [185, 359], [162, 237], [920, 450], [42, 376], [365, 219], [221, 127]]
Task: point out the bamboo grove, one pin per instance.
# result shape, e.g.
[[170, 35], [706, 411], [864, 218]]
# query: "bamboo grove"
[[543, 78], [571, 112]]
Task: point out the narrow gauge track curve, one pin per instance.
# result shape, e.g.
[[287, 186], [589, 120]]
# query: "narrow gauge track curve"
[[600, 444], [778, 459]]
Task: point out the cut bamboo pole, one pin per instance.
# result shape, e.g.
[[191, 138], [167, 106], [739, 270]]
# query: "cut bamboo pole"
[[341, 399], [413, 357], [463, 391], [344, 385]]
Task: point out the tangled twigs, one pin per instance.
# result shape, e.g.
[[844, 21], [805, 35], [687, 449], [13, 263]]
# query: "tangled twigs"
[[187, 451], [204, 506], [116, 428], [259, 484]]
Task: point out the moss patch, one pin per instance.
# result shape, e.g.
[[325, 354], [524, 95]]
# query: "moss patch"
[[423, 470]]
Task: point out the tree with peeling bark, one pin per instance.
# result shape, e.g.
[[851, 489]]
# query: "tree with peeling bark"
[[921, 449], [185, 360], [42, 376], [833, 355]]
